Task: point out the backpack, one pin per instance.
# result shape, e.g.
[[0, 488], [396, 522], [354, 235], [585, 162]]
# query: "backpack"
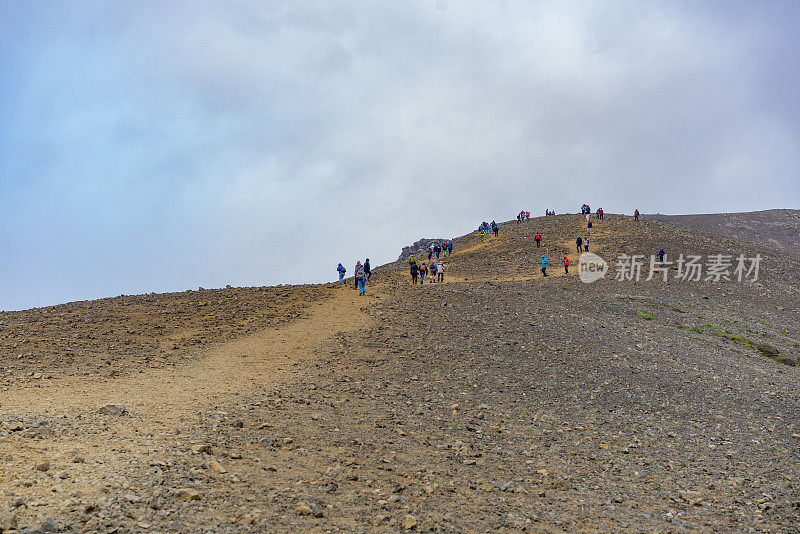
[[360, 275]]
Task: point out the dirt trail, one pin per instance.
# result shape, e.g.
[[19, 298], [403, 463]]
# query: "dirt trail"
[[166, 394]]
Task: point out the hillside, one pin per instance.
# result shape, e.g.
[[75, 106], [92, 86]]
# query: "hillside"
[[775, 229], [498, 400]]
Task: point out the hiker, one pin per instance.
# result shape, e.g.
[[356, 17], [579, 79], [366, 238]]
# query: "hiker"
[[579, 244], [449, 247], [430, 253], [661, 254], [411, 259], [439, 272], [483, 234], [538, 239], [414, 272], [436, 250], [636, 215], [361, 280], [544, 266], [341, 270], [367, 270], [423, 270], [600, 213], [589, 227], [495, 228], [586, 245], [358, 269], [565, 263]]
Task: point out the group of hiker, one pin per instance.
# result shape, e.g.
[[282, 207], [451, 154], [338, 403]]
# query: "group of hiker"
[[445, 249], [435, 269], [362, 275], [484, 228]]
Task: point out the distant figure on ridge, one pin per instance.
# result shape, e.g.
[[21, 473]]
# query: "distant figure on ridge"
[[495, 228], [341, 271], [367, 270], [636, 215]]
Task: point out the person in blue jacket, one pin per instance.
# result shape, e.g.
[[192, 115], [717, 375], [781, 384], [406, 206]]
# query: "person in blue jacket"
[[544, 266], [341, 270]]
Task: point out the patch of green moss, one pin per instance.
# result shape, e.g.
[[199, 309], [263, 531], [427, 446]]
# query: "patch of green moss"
[[646, 315]]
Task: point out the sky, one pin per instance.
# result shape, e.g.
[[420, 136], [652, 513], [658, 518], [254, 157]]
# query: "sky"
[[155, 146]]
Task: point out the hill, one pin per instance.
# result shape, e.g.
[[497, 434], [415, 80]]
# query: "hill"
[[498, 400], [775, 229]]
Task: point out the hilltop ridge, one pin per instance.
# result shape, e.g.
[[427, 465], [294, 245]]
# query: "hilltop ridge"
[[775, 229]]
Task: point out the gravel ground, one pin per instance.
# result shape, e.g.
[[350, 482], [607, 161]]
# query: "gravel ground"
[[496, 401]]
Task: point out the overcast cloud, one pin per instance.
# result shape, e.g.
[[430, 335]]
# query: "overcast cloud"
[[155, 146]]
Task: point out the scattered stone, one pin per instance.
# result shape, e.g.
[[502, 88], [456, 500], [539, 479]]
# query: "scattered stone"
[[303, 509], [695, 498], [217, 467], [113, 409], [188, 494], [202, 448], [409, 522]]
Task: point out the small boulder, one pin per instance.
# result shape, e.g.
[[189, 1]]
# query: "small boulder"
[[113, 409]]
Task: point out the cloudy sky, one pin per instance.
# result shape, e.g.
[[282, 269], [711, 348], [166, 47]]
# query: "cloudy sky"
[[156, 146]]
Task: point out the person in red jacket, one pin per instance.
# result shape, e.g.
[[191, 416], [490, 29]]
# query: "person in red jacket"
[[538, 239], [565, 263]]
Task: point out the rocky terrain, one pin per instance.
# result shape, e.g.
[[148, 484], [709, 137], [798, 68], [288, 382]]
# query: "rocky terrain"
[[775, 229], [496, 401], [419, 247]]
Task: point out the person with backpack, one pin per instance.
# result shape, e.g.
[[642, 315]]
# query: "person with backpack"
[[494, 228], [538, 239], [579, 244], [586, 245], [544, 266], [341, 271], [367, 270], [565, 263], [436, 251], [439, 272], [636, 215], [414, 272], [359, 268], [589, 227], [661, 254], [361, 281], [423, 270], [449, 247]]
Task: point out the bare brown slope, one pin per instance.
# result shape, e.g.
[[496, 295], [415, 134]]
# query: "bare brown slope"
[[775, 229]]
